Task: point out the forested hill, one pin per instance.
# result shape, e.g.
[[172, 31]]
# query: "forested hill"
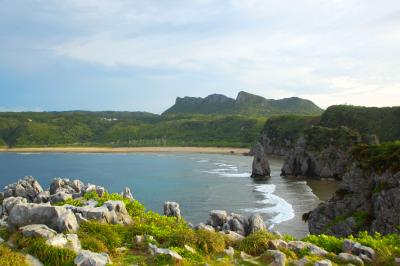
[[82, 128], [244, 104]]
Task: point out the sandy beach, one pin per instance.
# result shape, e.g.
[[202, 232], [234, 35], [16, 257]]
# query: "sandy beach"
[[219, 150]]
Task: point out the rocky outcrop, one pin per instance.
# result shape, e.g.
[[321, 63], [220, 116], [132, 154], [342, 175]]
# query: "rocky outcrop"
[[365, 201], [57, 218], [88, 258], [260, 168], [172, 209], [27, 188], [234, 224], [321, 153]]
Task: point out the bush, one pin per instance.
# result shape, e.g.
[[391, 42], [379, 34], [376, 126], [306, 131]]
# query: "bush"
[[329, 243], [110, 235], [210, 242], [49, 255], [256, 243], [9, 257], [73, 202]]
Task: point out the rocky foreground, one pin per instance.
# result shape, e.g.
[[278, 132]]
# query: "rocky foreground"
[[73, 223]]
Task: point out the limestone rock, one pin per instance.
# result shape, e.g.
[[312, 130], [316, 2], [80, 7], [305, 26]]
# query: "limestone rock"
[[42, 197], [349, 258], [172, 209], [230, 252], [58, 218], [275, 244], [190, 249], [126, 193], [27, 188], [325, 262], [260, 168], [10, 202], [218, 218], [256, 223], [68, 241], [60, 196], [157, 251], [232, 236], [37, 230], [113, 212], [88, 258], [278, 257]]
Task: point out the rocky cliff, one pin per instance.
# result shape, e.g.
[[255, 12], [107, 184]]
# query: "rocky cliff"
[[368, 198], [322, 152]]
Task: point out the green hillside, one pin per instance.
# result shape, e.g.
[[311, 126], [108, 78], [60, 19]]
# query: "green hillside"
[[81, 128], [244, 104]]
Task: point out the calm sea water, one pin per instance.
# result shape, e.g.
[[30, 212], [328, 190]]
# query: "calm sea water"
[[199, 182]]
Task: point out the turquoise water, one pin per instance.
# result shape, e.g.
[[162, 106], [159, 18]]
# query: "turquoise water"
[[199, 182]]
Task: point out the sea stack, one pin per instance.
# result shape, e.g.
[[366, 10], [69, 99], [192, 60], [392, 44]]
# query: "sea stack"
[[260, 167]]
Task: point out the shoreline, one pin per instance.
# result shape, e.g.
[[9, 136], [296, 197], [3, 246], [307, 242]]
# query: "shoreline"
[[217, 150]]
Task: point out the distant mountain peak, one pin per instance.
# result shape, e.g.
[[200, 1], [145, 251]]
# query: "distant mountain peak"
[[244, 104]]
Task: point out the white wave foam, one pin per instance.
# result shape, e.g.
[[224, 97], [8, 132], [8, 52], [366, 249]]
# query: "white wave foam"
[[235, 175], [267, 188], [277, 208]]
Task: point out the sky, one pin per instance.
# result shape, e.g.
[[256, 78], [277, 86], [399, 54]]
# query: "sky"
[[140, 55]]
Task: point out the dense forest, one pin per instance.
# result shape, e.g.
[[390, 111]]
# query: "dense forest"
[[81, 128]]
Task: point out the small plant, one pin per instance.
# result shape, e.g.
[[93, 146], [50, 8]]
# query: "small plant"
[[329, 243], [256, 243], [210, 242], [8, 257], [73, 202]]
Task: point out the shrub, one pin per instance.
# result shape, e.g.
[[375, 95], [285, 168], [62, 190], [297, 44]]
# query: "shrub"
[[209, 242], [181, 237], [92, 243], [49, 255], [9, 257], [329, 243], [256, 243], [111, 235], [73, 202]]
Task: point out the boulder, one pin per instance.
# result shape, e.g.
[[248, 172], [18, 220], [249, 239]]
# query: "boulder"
[[37, 230], [126, 193], [88, 258], [172, 209], [218, 218], [232, 236], [256, 223], [10, 202], [324, 262], [202, 226], [230, 252], [238, 223], [278, 257], [27, 188], [158, 251], [276, 244], [113, 211], [66, 185], [260, 168], [60, 196], [349, 258], [68, 241], [56, 217], [298, 246], [42, 197]]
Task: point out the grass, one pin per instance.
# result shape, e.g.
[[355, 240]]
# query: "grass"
[[9, 257], [256, 243]]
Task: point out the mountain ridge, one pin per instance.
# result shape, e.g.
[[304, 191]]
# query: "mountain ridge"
[[245, 104]]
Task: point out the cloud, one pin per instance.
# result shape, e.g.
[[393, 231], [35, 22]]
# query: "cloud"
[[322, 49]]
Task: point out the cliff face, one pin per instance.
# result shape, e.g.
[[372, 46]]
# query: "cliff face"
[[321, 153], [368, 198]]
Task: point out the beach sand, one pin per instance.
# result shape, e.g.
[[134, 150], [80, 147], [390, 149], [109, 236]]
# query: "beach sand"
[[219, 150]]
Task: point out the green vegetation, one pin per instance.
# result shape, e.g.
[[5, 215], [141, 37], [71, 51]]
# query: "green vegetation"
[[379, 158], [383, 122], [256, 243], [116, 129], [318, 137], [387, 247], [8, 257]]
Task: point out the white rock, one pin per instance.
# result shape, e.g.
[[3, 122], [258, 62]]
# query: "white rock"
[[32, 261], [37, 230], [230, 252], [157, 251], [69, 241], [88, 258]]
